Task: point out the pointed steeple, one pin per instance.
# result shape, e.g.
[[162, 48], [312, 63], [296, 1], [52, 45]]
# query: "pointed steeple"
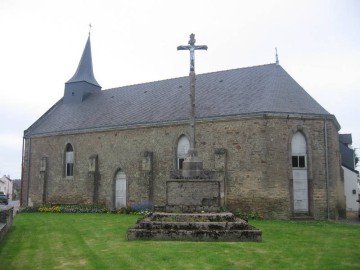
[[84, 72], [83, 82]]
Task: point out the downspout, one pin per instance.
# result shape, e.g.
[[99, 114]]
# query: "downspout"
[[326, 168]]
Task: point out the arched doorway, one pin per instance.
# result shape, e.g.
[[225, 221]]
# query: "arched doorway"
[[120, 189], [299, 173]]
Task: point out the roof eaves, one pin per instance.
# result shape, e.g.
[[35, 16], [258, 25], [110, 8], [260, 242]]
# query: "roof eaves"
[[354, 171], [180, 122], [27, 132]]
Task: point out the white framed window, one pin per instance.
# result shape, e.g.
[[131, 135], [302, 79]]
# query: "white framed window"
[[298, 151], [298, 161], [69, 160], [182, 150]]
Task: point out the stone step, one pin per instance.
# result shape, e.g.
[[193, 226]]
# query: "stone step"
[[194, 217], [147, 224], [196, 235], [191, 208], [194, 227]]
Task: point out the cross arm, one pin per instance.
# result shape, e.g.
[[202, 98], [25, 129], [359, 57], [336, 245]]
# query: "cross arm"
[[181, 48], [201, 47]]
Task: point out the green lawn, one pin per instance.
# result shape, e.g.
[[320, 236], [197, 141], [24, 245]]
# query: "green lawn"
[[98, 241]]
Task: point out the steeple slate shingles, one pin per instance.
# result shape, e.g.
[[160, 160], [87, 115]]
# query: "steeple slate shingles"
[[83, 83], [84, 72]]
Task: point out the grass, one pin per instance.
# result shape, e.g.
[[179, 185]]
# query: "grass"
[[98, 241]]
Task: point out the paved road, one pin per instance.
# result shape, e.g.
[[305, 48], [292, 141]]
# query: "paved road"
[[16, 205]]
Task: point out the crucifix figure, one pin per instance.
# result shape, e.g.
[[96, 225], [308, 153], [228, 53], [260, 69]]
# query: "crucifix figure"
[[192, 165], [192, 47]]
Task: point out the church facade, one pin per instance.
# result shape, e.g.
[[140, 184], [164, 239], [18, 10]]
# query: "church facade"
[[274, 149]]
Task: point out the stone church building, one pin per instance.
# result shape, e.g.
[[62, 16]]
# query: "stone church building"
[[272, 147]]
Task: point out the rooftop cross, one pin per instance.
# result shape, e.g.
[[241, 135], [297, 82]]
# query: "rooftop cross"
[[276, 56], [192, 47]]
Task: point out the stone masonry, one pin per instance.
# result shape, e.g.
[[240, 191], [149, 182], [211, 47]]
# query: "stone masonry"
[[252, 156], [192, 195]]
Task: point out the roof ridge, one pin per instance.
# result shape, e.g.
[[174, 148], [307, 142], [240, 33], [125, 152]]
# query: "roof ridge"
[[199, 74]]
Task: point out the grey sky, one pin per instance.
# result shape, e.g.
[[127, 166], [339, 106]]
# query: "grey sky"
[[135, 41]]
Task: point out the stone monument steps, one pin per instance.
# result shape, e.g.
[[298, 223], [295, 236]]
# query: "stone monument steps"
[[194, 227], [154, 225], [195, 235], [194, 217]]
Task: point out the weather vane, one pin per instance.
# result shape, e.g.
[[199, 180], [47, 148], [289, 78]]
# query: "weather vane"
[[90, 28]]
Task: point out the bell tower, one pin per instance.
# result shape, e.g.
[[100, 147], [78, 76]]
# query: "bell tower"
[[83, 83]]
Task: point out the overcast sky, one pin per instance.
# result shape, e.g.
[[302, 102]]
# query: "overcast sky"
[[41, 43]]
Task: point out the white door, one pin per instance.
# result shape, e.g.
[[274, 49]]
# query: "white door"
[[120, 190], [300, 188]]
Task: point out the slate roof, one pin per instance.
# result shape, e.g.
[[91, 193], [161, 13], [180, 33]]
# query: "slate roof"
[[345, 139], [347, 156], [244, 91], [84, 71]]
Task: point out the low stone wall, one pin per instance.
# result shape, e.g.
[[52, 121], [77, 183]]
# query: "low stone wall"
[[6, 220]]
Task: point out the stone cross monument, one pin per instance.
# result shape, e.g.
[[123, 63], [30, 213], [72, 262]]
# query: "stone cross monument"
[[192, 166]]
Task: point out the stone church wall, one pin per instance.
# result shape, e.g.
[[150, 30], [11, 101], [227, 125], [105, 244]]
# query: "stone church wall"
[[257, 169]]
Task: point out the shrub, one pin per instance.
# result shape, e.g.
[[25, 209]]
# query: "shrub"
[[140, 209], [51, 209], [144, 208], [28, 209], [82, 208], [123, 210]]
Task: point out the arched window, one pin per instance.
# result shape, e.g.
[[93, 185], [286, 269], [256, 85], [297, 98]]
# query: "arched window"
[[182, 150], [300, 173], [69, 160], [298, 151]]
